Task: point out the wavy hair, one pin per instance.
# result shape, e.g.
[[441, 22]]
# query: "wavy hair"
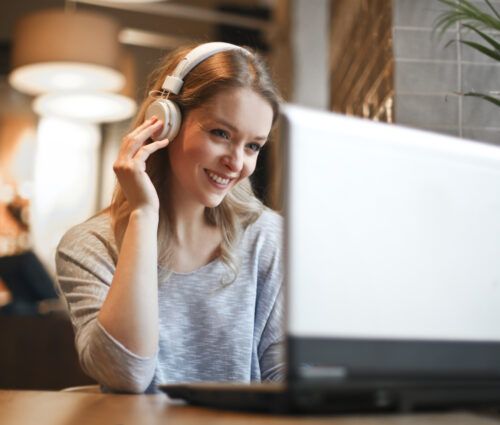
[[240, 207]]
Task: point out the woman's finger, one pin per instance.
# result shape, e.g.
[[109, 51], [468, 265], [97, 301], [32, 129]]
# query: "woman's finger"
[[144, 152], [147, 122], [134, 142], [147, 132]]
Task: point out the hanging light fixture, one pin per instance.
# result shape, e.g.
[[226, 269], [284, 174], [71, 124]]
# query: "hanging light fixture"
[[131, 1], [93, 106], [57, 50], [88, 107]]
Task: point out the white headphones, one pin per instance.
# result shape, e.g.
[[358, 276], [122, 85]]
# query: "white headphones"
[[166, 110]]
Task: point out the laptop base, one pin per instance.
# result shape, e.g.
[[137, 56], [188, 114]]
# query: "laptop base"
[[278, 399]]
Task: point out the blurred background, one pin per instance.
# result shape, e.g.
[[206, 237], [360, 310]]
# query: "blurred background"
[[73, 72]]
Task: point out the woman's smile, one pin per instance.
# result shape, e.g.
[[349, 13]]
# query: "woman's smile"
[[219, 181]]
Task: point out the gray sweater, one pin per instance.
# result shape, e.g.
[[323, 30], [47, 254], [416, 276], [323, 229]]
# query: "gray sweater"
[[208, 331]]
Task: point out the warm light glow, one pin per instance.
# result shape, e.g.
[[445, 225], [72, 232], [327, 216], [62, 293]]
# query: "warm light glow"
[[23, 160], [65, 183], [47, 77], [86, 107], [132, 1], [7, 193]]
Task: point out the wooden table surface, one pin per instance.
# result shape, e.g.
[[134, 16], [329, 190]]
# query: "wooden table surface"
[[61, 408]]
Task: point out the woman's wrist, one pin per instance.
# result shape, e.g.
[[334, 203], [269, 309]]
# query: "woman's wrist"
[[149, 213]]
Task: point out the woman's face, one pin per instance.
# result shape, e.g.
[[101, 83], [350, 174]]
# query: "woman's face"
[[218, 145]]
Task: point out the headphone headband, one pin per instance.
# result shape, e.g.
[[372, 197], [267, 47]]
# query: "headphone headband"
[[173, 83], [168, 111]]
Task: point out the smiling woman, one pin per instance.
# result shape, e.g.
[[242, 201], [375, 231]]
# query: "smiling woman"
[[181, 278], [211, 155]]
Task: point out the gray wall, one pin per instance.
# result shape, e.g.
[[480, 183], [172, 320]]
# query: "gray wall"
[[310, 38], [429, 76]]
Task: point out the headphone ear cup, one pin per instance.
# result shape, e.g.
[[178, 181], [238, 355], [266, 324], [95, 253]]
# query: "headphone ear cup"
[[169, 113]]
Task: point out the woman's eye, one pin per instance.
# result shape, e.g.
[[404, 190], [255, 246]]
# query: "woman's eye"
[[255, 147], [220, 133]]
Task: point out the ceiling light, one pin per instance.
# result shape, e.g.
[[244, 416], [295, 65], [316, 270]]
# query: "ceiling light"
[[56, 76], [85, 107], [131, 1], [55, 49]]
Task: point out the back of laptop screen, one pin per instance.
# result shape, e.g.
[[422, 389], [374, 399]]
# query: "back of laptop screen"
[[392, 233]]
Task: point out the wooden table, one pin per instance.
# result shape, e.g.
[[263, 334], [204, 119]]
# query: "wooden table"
[[61, 408]]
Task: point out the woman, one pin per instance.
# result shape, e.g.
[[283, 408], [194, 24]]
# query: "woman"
[[181, 278]]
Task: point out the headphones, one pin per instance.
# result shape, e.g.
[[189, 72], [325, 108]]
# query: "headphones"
[[168, 111]]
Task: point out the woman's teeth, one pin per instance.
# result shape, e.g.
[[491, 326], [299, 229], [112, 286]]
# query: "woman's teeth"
[[217, 179]]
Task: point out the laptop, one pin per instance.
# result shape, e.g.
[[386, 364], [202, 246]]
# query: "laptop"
[[392, 272]]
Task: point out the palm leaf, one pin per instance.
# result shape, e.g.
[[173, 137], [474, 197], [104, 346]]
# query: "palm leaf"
[[494, 100], [488, 39], [467, 12], [479, 47], [474, 19], [492, 8]]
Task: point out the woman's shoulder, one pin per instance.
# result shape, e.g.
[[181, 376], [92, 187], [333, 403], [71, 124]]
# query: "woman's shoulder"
[[269, 226], [95, 233], [268, 220]]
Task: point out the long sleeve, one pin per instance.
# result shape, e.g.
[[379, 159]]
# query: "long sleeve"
[[209, 331], [85, 262], [272, 346], [270, 303]]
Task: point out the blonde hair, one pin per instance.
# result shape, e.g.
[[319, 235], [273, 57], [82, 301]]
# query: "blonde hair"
[[240, 207]]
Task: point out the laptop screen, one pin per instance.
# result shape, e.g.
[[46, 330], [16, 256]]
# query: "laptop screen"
[[392, 233]]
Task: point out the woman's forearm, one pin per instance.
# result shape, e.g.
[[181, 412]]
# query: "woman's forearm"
[[130, 311]]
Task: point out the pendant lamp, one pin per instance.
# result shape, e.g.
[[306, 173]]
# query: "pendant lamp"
[[85, 107], [57, 50], [132, 1]]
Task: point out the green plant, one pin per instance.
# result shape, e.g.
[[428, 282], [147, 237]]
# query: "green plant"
[[484, 23]]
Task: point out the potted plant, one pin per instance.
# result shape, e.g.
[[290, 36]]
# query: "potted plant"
[[484, 23]]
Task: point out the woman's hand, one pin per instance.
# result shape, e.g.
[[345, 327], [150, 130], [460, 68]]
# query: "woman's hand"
[[130, 166]]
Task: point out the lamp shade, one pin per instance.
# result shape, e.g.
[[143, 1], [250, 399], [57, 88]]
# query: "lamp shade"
[[85, 107], [133, 1], [58, 50]]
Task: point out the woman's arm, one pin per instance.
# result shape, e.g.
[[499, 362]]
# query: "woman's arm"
[[130, 310], [111, 296], [272, 346], [270, 304], [86, 263]]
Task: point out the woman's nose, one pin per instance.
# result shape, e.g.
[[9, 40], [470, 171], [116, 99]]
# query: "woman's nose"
[[233, 160]]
